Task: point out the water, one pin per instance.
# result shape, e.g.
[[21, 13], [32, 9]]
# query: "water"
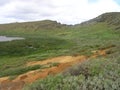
[[4, 38]]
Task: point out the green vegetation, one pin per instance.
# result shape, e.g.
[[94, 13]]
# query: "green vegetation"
[[31, 46], [97, 74], [18, 71], [48, 39], [54, 64]]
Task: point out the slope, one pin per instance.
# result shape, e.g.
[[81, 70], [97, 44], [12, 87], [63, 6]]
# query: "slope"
[[66, 41], [111, 18]]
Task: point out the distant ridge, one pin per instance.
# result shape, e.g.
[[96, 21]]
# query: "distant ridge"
[[111, 18], [35, 25]]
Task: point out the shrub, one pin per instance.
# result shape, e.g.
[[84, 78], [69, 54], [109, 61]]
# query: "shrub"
[[102, 74]]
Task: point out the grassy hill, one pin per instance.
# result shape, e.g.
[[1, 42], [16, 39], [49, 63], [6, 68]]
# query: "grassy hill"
[[38, 25], [112, 19], [50, 39]]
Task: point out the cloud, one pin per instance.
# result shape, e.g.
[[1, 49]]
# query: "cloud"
[[64, 11]]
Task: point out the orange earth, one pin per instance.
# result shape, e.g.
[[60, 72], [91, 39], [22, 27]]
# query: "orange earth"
[[29, 77]]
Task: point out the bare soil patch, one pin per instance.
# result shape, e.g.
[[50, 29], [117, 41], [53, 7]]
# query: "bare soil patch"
[[29, 77]]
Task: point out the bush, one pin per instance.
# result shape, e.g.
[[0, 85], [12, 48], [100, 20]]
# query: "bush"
[[18, 71], [102, 74]]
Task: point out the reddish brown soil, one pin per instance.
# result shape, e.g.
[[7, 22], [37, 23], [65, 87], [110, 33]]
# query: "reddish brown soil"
[[29, 77], [12, 85], [65, 62]]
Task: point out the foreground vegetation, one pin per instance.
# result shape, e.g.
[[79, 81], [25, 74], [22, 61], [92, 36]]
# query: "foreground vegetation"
[[48, 39], [97, 74]]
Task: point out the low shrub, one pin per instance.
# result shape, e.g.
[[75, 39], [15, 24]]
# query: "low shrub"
[[18, 71], [97, 74]]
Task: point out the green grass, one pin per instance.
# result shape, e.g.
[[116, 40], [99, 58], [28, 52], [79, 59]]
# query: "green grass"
[[31, 45], [43, 44], [97, 74], [49, 39], [18, 71]]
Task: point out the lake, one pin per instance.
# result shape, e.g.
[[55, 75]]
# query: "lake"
[[5, 38]]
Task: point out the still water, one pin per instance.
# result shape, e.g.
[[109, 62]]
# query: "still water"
[[4, 38]]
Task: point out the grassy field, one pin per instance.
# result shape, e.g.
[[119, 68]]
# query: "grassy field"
[[50, 40], [95, 74], [102, 73]]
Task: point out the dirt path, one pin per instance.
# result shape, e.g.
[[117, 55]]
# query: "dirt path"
[[64, 62], [29, 77]]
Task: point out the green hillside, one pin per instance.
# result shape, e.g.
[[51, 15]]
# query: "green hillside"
[[112, 19], [47, 39], [38, 25]]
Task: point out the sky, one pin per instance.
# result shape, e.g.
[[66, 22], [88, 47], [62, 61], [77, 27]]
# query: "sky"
[[63, 11]]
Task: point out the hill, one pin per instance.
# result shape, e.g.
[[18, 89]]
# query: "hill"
[[37, 25], [112, 18], [54, 56]]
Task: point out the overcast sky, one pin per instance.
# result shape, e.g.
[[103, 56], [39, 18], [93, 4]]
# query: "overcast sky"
[[64, 11]]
